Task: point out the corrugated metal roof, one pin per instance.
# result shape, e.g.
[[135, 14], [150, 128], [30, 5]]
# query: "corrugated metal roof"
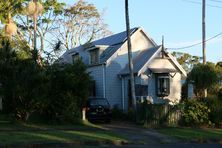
[[114, 42], [113, 39], [140, 60], [109, 52]]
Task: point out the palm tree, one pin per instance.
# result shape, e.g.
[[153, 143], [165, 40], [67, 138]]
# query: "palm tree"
[[130, 55]]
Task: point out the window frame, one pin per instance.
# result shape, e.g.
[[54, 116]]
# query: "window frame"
[[96, 52], [161, 90], [75, 57]]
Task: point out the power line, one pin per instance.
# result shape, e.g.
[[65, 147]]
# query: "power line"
[[217, 1], [199, 3], [189, 46]]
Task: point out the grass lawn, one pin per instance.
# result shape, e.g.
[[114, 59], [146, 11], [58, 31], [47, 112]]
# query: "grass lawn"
[[20, 133], [194, 133]]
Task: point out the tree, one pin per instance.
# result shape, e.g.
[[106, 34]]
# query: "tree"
[[80, 24], [130, 55], [203, 77], [55, 91], [70, 26], [19, 80], [46, 24], [219, 64], [186, 60]]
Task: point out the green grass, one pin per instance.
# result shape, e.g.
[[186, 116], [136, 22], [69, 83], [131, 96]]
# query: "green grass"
[[21, 133], [193, 133]]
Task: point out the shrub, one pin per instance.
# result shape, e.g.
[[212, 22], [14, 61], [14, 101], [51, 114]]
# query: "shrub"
[[195, 113], [57, 91], [215, 105]]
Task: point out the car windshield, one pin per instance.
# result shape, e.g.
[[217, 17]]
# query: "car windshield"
[[97, 102]]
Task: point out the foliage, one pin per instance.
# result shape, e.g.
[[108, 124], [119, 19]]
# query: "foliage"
[[214, 104], [79, 24], [12, 7], [195, 113], [186, 60], [204, 77], [71, 26], [56, 91], [66, 89], [17, 79]]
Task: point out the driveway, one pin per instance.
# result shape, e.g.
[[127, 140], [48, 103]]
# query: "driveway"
[[150, 138], [139, 135]]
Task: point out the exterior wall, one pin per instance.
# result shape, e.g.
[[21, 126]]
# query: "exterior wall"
[[116, 63], [175, 81], [96, 73], [139, 43], [114, 84], [175, 89], [161, 63]]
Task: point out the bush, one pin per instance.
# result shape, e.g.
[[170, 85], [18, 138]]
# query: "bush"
[[56, 92], [215, 105], [195, 113], [66, 89]]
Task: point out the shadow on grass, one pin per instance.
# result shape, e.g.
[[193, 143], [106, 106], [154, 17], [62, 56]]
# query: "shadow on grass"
[[79, 134]]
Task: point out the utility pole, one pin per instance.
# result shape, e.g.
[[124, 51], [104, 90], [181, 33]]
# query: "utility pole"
[[130, 55], [204, 37], [204, 31]]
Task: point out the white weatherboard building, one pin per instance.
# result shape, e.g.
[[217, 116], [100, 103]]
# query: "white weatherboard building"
[[157, 73]]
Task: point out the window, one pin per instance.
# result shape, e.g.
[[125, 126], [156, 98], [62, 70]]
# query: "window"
[[92, 88], [163, 85], [94, 56], [141, 90], [75, 57]]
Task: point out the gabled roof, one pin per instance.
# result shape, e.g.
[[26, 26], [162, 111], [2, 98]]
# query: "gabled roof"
[[177, 64], [110, 41], [113, 39], [113, 43], [139, 61], [143, 58]]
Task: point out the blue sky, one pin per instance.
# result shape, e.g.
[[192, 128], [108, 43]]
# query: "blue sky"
[[178, 20]]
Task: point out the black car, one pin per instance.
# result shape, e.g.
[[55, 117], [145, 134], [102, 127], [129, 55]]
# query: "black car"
[[98, 109]]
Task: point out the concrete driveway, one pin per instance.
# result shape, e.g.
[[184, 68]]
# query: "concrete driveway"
[[139, 135], [150, 138]]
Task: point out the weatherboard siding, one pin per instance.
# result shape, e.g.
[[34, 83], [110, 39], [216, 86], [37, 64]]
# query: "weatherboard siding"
[[96, 73], [113, 84], [116, 63], [175, 81]]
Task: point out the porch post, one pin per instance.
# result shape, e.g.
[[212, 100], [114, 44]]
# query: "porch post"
[[104, 81], [123, 94]]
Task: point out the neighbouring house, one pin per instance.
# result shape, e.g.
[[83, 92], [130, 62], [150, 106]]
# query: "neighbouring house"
[[157, 73]]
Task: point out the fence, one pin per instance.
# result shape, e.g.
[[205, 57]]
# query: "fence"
[[155, 115]]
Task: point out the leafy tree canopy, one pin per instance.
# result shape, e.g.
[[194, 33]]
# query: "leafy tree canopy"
[[204, 77], [186, 60]]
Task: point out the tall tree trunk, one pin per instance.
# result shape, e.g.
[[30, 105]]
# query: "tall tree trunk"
[[130, 55], [35, 51]]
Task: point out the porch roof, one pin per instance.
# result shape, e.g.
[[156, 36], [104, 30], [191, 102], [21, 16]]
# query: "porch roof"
[[163, 70], [140, 60]]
